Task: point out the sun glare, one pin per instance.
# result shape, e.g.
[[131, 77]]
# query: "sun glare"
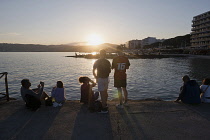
[[94, 53], [94, 39]]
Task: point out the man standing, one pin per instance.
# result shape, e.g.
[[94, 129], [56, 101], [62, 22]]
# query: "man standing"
[[120, 64], [103, 67]]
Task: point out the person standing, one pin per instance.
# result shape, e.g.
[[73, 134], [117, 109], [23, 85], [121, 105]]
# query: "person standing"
[[120, 64], [103, 67]]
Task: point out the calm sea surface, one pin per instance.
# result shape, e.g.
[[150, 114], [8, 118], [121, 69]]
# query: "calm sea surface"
[[147, 78]]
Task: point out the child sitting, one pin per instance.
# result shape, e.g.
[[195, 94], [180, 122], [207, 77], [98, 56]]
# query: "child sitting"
[[87, 94], [58, 94]]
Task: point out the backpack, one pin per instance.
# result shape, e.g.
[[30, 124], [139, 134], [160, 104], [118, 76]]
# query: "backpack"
[[97, 106], [32, 102], [48, 101]]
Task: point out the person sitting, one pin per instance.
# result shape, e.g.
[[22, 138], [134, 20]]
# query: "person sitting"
[[189, 92], [33, 97], [58, 94], [205, 90], [87, 94]]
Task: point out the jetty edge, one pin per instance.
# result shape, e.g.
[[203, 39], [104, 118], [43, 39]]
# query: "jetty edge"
[[142, 119], [130, 56]]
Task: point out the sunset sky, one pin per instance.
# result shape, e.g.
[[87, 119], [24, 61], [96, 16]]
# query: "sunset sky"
[[110, 21]]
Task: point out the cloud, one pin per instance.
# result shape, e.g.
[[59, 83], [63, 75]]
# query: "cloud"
[[9, 34]]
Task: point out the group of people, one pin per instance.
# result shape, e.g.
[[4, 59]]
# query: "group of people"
[[192, 93], [101, 70], [103, 67], [35, 97]]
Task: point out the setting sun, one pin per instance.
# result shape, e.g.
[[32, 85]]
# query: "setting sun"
[[94, 39]]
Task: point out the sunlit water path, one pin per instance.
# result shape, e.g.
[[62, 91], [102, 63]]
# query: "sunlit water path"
[[147, 78]]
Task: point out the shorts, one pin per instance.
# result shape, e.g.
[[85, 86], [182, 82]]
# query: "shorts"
[[120, 83], [103, 84]]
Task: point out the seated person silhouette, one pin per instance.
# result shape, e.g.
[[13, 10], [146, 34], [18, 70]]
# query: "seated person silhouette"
[[189, 92], [32, 97], [205, 89], [88, 96]]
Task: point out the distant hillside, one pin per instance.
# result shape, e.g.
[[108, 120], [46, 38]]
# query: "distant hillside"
[[6, 47], [179, 41]]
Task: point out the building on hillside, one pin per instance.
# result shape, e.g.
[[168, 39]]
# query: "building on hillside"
[[148, 41], [200, 35], [133, 44]]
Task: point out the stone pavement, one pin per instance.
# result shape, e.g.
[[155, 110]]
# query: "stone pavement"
[[141, 120]]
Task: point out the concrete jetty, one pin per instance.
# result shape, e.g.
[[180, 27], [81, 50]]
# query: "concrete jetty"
[[141, 120]]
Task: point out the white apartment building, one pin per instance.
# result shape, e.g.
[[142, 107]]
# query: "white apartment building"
[[200, 35], [148, 41], [133, 44], [137, 44]]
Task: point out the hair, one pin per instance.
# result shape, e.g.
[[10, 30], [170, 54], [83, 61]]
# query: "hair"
[[186, 78], [206, 81], [82, 79], [103, 52], [59, 84], [24, 82], [120, 53]]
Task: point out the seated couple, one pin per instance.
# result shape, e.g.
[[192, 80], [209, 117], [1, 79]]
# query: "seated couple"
[[35, 97], [191, 93]]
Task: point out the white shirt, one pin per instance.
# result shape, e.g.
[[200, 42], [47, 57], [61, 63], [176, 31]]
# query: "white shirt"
[[207, 92]]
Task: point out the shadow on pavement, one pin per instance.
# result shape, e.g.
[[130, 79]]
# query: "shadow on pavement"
[[201, 109], [92, 126], [26, 124], [128, 125]]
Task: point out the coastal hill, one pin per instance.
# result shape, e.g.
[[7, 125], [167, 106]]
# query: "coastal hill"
[[176, 42], [72, 47]]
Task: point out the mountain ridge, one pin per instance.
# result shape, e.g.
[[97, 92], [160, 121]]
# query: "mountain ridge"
[[71, 47]]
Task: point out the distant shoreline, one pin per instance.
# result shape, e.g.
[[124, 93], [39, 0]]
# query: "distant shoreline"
[[130, 56]]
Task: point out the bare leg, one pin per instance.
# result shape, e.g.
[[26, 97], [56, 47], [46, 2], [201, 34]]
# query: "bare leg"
[[103, 98], [106, 95], [120, 95], [43, 96], [125, 94]]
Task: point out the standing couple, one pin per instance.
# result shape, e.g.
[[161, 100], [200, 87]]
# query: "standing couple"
[[103, 68]]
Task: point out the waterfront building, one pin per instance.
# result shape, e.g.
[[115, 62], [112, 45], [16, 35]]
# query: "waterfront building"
[[133, 44], [148, 41], [200, 35], [138, 44]]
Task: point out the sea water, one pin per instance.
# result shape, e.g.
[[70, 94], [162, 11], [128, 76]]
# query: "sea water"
[[146, 78]]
